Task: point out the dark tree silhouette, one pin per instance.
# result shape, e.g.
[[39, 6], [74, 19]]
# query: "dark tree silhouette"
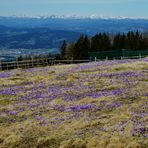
[[101, 42], [63, 50], [81, 48]]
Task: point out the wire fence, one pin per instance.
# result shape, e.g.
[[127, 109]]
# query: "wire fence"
[[118, 54], [93, 56], [8, 65]]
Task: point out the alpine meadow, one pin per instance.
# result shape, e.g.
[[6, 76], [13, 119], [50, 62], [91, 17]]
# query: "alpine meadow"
[[97, 104]]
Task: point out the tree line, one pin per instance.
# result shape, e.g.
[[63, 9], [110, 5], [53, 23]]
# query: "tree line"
[[102, 42]]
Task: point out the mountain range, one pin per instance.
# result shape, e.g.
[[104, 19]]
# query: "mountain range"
[[48, 32]]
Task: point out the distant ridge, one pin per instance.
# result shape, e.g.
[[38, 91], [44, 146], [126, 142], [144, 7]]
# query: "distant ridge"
[[92, 16], [48, 32], [89, 25]]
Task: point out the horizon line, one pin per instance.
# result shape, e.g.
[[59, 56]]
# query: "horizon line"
[[92, 16]]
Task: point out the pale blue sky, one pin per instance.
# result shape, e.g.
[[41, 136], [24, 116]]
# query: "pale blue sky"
[[114, 8]]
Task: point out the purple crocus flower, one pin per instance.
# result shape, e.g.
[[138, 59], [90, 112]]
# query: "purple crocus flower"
[[5, 75]]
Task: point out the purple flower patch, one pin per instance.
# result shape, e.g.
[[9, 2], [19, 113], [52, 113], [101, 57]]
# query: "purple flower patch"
[[4, 75], [11, 112], [146, 94], [117, 92], [8, 92], [115, 104], [41, 120]]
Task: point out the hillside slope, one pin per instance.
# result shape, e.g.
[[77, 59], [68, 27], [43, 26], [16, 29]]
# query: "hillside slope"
[[102, 105], [34, 38]]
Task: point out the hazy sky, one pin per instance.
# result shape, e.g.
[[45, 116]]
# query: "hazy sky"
[[114, 8]]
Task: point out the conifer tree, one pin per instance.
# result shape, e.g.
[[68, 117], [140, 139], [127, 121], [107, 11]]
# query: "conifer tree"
[[81, 48], [100, 42], [63, 50]]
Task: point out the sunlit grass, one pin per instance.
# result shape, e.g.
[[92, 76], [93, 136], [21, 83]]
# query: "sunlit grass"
[[93, 105]]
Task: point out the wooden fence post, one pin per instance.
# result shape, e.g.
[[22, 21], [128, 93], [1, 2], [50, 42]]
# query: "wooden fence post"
[[0, 65], [17, 63], [7, 66], [54, 62], [46, 63], [32, 61], [139, 55], [72, 60]]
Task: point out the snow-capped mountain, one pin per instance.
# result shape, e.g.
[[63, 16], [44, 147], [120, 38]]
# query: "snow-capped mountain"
[[53, 16]]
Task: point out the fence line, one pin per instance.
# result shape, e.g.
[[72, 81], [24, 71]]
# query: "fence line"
[[7, 65], [121, 53]]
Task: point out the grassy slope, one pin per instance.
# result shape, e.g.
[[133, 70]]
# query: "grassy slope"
[[101, 104]]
